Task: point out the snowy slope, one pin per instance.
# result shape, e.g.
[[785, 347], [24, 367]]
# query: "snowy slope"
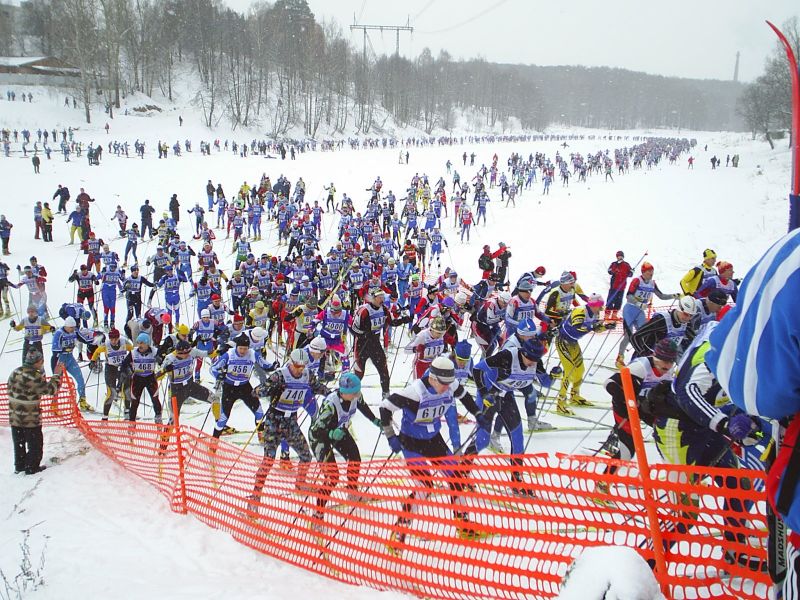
[[671, 212]]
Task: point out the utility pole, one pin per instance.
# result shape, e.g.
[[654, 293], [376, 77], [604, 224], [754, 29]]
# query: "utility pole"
[[396, 28], [736, 69]]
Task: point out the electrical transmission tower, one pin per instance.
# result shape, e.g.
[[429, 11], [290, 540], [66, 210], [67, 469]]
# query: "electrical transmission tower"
[[396, 28]]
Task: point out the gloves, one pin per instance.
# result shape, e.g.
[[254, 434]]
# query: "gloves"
[[377, 422], [394, 444], [13, 324], [738, 427], [336, 434], [556, 372]]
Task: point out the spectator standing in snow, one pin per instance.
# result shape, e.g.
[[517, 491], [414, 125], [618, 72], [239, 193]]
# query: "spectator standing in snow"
[[5, 234], [620, 271], [26, 386], [147, 212]]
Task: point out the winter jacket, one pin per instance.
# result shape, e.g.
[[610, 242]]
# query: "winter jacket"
[[26, 386]]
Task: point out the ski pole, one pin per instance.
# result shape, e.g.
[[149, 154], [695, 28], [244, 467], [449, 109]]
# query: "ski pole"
[[396, 351], [601, 363], [241, 452], [355, 506], [549, 399], [375, 449], [6, 341], [594, 360], [639, 261]]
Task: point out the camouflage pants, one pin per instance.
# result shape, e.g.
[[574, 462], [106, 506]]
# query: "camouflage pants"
[[278, 426]]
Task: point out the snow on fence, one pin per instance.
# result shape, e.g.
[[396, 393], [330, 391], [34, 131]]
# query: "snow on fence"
[[525, 535]]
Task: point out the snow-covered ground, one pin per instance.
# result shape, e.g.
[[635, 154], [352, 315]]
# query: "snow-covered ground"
[[116, 532]]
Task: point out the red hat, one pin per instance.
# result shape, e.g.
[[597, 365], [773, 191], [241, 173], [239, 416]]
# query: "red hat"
[[237, 318], [724, 266], [723, 311], [646, 266], [113, 333], [215, 297], [280, 277], [540, 270]]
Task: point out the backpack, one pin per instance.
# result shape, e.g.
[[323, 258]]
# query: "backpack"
[[485, 262]]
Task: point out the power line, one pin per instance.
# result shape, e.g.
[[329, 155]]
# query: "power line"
[[361, 12], [468, 21], [424, 8]]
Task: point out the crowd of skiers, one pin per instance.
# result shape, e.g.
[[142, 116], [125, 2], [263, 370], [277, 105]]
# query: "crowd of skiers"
[[306, 324]]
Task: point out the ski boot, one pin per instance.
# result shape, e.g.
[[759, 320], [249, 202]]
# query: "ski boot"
[[84, 405], [562, 408], [354, 494], [465, 528], [536, 424], [253, 505], [603, 491], [620, 362], [302, 486], [519, 491], [317, 524], [602, 487], [397, 538], [579, 400], [260, 433], [494, 442]]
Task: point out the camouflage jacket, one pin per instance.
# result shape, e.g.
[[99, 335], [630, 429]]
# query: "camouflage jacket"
[[26, 386]]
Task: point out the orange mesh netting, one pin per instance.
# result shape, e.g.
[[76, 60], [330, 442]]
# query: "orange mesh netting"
[[523, 536]]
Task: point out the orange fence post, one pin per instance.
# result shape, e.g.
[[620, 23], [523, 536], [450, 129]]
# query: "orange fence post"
[[644, 471], [179, 449]]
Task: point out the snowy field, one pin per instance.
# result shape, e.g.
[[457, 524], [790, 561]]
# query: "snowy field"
[[115, 530]]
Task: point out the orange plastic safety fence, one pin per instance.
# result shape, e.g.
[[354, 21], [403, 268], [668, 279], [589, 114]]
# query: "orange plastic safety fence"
[[473, 527]]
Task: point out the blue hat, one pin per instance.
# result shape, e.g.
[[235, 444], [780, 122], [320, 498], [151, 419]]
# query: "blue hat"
[[143, 338], [526, 327], [463, 350], [349, 383], [533, 349]]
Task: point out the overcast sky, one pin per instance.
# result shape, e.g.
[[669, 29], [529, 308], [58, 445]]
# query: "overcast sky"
[[697, 38]]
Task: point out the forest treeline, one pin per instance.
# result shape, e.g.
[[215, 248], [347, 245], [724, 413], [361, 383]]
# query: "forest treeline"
[[277, 67]]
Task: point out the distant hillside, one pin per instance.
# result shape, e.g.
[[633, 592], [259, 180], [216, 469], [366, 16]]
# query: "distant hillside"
[[603, 97], [278, 69]]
